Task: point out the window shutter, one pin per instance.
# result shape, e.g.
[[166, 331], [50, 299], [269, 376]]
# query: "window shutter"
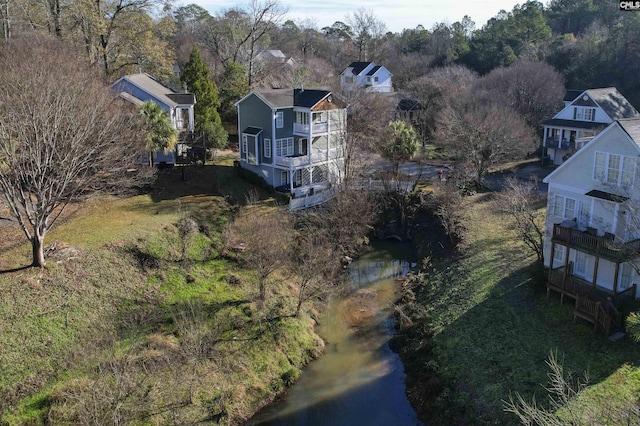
[[575, 112]]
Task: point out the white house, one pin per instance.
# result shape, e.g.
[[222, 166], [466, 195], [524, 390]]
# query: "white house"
[[592, 226], [294, 140], [139, 88], [585, 114], [367, 76]]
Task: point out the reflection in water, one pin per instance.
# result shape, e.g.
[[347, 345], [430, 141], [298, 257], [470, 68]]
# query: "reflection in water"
[[359, 380]]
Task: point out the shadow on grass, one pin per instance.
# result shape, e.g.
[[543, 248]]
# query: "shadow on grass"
[[18, 269], [209, 180], [499, 346]]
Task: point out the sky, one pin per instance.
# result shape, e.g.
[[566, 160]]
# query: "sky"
[[396, 14]]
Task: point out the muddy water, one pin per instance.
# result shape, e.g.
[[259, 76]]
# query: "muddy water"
[[359, 380]]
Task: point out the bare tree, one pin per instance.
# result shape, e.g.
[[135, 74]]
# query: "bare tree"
[[313, 262], [531, 88], [369, 33], [524, 204], [238, 34], [483, 135], [61, 133], [567, 396], [264, 237]]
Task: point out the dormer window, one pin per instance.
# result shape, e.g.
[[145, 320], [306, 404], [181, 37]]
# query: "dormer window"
[[584, 113]]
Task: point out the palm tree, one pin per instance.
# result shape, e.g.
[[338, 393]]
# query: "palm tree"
[[161, 135]]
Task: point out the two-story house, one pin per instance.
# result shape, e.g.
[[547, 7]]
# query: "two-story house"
[[585, 114], [294, 140], [366, 76], [139, 88], [593, 222]]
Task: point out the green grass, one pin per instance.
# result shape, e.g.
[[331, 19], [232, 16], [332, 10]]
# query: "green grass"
[[183, 335], [492, 328]]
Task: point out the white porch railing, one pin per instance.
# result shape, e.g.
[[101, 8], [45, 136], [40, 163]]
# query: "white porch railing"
[[302, 160], [311, 200], [316, 128]]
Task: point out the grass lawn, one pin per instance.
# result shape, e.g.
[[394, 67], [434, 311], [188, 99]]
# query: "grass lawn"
[[128, 327], [486, 328]]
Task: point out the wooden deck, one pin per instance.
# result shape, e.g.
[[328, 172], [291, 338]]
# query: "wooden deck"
[[594, 304]]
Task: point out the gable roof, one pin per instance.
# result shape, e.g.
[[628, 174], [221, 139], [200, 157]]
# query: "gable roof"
[[358, 67], [158, 90], [632, 127], [374, 70], [308, 98], [571, 95], [288, 98], [612, 103]]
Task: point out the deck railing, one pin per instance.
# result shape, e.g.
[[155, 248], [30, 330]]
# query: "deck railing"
[[592, 304], [589, 243]]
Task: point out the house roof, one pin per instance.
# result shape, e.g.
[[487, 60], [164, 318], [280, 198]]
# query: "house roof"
[[287, 98], [308, 98], [632, 127], [607, 196], [270, 54], [559, 122], [358, 67], [252, 130], [183, 98], [152, 86], [572, 94], [275, 98], [613, 103], [374, 70]]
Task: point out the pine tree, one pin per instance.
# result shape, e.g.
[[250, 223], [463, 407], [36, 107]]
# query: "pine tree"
[[196, 76]]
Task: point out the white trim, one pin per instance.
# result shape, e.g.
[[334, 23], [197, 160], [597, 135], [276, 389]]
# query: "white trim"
[[267, 150]]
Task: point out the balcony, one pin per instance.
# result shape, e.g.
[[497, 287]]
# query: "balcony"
[[296, 161], [589, 242], [306, 129]]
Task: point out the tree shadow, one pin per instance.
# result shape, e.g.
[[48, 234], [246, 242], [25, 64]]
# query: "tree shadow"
[[18, 269]]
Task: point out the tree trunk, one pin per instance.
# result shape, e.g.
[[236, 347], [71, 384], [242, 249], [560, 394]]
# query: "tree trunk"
[[37, 245]]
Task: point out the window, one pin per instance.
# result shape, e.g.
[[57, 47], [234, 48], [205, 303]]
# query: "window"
[[614, 169], [580, 267], [302, 146], [284, 147], [375, 79], [585, 114], [564, 207], [284, 178], [558, 254], [319, 117], [279, 120], [245, 146], [626, 276], [267, 148], [302, 117], [348, 80]]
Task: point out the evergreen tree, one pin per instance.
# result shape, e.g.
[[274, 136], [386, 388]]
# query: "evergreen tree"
[[233, 86], [196, 76]]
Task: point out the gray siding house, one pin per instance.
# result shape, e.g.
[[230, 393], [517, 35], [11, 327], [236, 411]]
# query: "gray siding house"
[[294, 140], [139, 88]]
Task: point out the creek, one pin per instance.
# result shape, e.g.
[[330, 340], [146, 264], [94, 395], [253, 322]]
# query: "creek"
[[359, 380]]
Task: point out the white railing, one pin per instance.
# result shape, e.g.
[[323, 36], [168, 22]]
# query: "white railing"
[[303, 160], [311, 200], [317, 128]]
